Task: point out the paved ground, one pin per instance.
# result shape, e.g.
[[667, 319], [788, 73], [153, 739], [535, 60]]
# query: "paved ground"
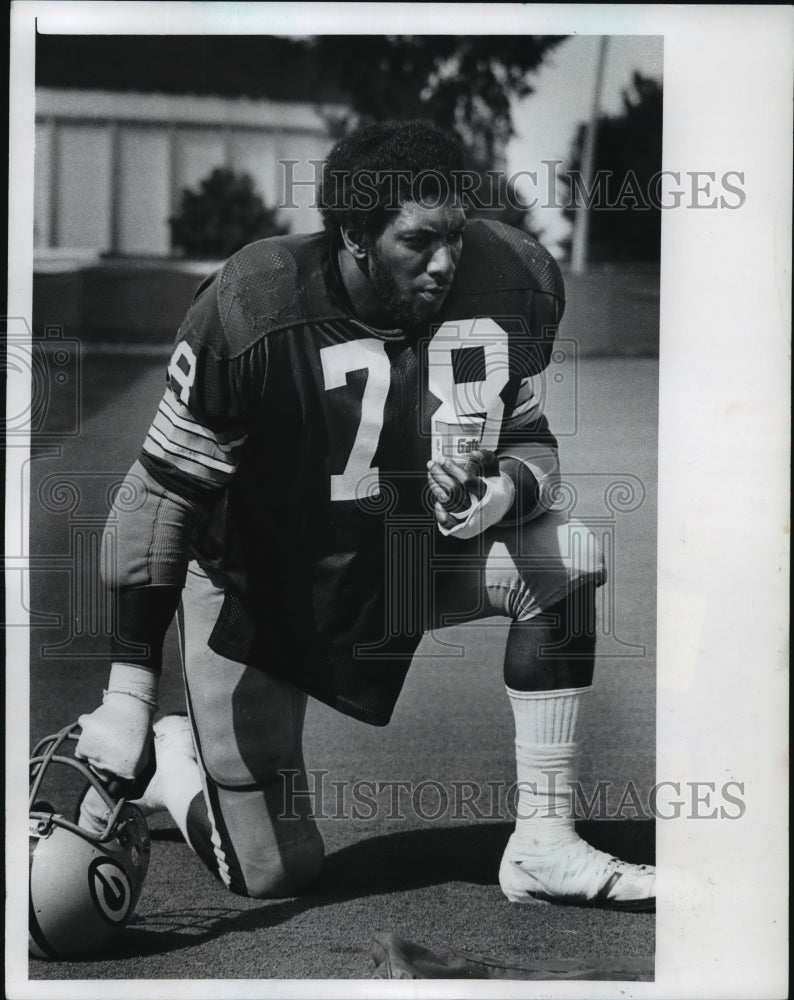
[[431, 880]]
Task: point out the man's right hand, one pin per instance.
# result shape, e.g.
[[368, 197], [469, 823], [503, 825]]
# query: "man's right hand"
[[116, 737]]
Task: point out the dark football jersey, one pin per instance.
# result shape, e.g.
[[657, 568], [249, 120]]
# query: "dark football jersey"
[[306, 434]]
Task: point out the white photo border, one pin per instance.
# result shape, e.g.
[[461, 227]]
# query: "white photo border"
[[723, 462]]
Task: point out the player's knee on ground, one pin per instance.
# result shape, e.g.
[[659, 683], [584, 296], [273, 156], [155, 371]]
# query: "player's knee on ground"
[[287, 874], [281, 862], [255, 842], [266, 843]]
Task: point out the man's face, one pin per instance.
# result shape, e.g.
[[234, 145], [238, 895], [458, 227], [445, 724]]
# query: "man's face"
[[413, 261]]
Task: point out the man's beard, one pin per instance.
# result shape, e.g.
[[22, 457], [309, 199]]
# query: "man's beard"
[[399, 307]]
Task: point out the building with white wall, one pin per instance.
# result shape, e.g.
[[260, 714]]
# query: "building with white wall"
[[110, 167]]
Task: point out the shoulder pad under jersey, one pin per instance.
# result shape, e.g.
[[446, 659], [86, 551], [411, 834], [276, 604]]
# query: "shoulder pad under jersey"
[[499, 263], [273, 284]]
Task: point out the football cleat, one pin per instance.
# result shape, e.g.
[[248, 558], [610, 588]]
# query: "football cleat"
[[84, 884], [578, 875]]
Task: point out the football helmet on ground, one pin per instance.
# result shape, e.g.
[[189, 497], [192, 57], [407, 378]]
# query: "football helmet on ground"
[[84, 886]]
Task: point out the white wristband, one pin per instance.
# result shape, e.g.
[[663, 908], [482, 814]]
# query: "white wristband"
[[488, 510], [137, 682]]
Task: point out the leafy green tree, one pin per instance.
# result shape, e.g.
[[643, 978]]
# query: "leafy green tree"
[[625, 218], [224, 215]]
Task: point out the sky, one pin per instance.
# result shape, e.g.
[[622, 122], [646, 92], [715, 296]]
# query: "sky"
[[546, 121]]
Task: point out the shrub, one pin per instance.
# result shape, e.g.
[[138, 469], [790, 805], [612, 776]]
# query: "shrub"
[[224, 214]]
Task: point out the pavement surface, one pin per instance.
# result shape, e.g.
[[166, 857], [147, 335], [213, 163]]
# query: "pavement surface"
[[422, 866]]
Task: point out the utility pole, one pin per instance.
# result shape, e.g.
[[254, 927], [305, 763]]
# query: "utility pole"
[[581, 223]]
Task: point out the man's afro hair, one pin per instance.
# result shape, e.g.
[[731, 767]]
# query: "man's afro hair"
[[377, 168]]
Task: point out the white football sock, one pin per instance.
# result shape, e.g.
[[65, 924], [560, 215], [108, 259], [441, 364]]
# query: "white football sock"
[[547, 751], [177, 780]]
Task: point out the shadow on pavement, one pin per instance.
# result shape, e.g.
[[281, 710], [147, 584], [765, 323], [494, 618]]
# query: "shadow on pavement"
[[380, 865]]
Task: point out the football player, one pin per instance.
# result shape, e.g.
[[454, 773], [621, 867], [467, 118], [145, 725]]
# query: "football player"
[[350, 450]]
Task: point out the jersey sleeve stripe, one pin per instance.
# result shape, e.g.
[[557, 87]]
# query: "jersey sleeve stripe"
[[529, 409], [543, 462], [192, 441], [523, 416], [181, 416], [160, 445], [178, 448], [527, 405], [182, 464]]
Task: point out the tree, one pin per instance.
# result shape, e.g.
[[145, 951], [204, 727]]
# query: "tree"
[[464, 84], [224, 215], [625, 217]]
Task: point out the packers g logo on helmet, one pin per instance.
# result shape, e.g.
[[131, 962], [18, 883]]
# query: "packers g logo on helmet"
[[110, 889], [83, 887]]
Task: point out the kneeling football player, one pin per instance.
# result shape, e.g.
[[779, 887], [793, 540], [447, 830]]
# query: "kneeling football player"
[[335, 401]]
